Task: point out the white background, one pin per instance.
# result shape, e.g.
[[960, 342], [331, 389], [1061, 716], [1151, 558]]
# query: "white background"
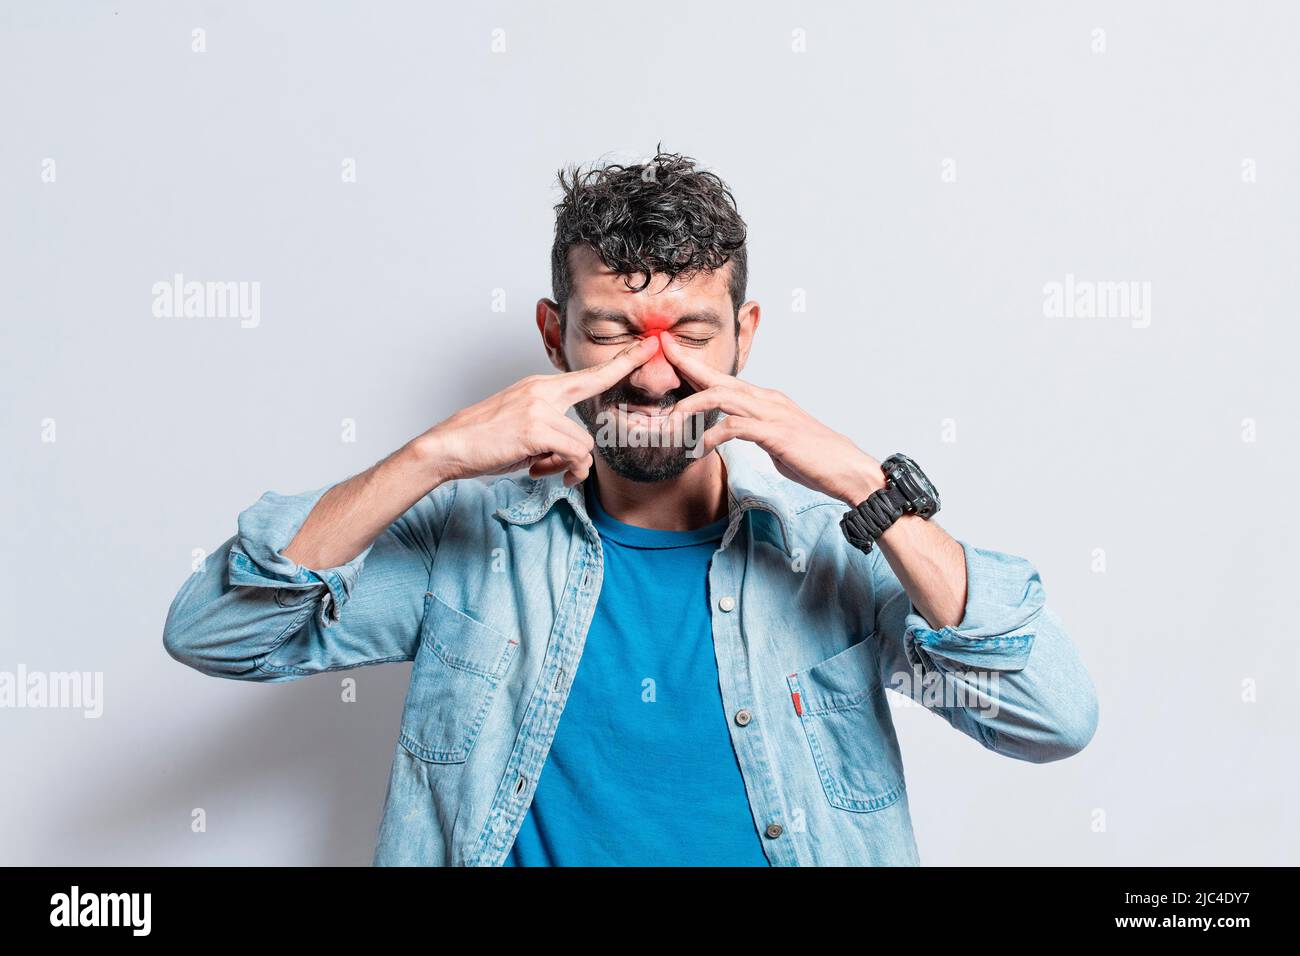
[[924, 304]]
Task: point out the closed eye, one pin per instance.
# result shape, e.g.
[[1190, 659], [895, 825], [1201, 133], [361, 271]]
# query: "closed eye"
[[616, 339]]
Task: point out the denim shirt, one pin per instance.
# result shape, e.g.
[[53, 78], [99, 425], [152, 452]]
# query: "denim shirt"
[[489, 588]]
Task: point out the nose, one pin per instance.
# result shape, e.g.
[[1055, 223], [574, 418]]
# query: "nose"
[[656, 377]]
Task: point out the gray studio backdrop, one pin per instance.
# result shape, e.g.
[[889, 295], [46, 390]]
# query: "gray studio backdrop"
[[1049, 250]]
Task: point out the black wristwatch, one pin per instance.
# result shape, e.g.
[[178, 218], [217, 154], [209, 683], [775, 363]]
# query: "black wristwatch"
[[907, 492]]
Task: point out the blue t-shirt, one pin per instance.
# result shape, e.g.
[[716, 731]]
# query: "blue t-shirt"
[[642, 771]]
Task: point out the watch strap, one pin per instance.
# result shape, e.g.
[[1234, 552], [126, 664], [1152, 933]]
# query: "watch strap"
[[864, 525]]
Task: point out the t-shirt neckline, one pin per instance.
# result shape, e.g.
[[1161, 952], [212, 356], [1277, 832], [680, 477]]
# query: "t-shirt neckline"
[[636, 537]]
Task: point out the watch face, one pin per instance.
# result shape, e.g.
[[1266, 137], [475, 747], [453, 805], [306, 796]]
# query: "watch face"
[[927, 502], [907, 476]]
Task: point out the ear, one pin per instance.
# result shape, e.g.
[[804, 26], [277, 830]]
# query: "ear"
[[748, 317], [548, 323]]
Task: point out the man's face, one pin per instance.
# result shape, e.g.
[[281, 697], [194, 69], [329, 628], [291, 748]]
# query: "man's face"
[[604, 317]]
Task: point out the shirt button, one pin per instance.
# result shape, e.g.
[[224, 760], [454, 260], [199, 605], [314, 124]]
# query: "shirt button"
[[743, 717], [728, 603], [774, 830]]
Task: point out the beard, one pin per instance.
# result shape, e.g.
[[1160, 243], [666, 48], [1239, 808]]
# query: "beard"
[[645, 459]]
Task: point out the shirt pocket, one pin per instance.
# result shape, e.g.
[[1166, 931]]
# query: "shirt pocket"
[[454, 681], [845, 716]]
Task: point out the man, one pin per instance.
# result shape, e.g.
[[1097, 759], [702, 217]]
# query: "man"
[[668, 643]]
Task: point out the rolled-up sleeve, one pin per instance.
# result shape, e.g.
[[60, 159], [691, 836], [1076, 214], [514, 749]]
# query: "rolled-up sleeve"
[[256, 557], [1007, 674], [251, 613]]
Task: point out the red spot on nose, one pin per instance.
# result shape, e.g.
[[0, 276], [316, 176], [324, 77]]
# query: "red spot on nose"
[[654, 324]]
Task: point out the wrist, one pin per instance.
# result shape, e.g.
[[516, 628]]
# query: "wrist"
[[427, 456], [864, 480]]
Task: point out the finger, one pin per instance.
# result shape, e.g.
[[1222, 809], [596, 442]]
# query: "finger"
[[578, 475], [554, 464], [733, 426], [586, 382], [547, 463], [569, 426], [700, 374], [574, 472], [547, 437], [725, 398]]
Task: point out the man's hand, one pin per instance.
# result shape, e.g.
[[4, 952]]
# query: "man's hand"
[[801, 448], [526, 424], [523, 425]]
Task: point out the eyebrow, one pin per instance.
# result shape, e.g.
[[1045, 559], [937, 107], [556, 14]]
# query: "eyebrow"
[[591, 314]]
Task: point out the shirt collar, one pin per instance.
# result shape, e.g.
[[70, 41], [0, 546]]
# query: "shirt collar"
[[751, 486]]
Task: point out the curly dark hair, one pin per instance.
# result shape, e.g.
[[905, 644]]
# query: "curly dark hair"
[[664, 216]]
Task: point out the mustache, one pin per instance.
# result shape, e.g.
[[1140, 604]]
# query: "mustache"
[[625, 396]]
